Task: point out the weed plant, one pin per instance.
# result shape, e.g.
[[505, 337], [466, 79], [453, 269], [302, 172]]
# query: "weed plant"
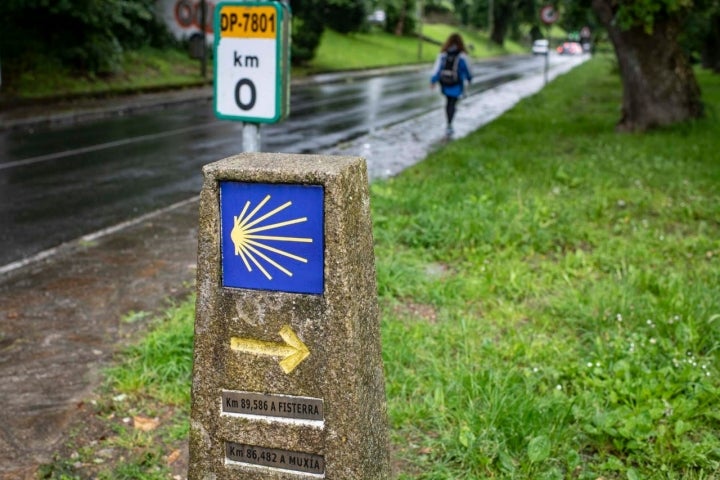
[[550, 295]]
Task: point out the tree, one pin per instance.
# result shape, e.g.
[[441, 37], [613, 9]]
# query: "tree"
[[659, 86], [400, 16], [701, 35], [307, 29], [507, 16], [311, 17], [346, 16], [86, 35], [711, 43]]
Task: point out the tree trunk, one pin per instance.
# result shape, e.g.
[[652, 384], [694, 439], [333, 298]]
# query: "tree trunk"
[[501, 21], [497, 35], [711, 50], [659, 86], [400, 26]]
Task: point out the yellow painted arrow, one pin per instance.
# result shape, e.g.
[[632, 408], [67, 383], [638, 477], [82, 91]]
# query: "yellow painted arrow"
[[293, 351]]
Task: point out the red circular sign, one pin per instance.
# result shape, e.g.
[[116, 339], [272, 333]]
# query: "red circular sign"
[[549, 14]]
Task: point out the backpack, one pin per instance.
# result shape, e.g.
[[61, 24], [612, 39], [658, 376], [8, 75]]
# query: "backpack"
[[449, 70]]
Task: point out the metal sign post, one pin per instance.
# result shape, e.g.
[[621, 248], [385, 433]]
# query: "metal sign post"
[[251, 137], [547, 59], [203, 27], [548, 15], [252, 71]]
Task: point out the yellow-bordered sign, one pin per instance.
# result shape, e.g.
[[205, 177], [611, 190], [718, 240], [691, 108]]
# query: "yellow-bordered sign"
[[252, 61], [248, 21]]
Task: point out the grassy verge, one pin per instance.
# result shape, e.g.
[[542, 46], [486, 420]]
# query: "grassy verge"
[[141, 70], [365, 50], [150, 69], [550, 293], [571, 294], [476, 41], [380, 49]]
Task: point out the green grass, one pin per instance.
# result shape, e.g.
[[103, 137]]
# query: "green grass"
[[379, 49], [575, 331], [158, 366], [144, 69], [367, 50], [476, 41], [149, 69], [550, 295]]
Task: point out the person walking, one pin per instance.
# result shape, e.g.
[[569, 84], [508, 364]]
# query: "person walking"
[[451, 71]]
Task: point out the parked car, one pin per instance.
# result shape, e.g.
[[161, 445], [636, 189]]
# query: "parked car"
[[570, 48], [377, 17], [540, 47]]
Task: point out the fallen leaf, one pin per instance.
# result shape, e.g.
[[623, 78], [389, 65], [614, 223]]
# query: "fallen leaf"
[[173, 456], [145, 424]]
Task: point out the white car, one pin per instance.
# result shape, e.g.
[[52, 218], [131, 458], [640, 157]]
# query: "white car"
[[540, 47]]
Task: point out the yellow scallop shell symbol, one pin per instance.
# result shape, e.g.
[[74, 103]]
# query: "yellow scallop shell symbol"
[[249, 244]]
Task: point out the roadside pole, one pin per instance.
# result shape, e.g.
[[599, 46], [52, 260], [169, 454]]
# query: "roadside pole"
[[548, 15], [252, 65], [547, 59], [420, 14], [203, 25], [251, 137]]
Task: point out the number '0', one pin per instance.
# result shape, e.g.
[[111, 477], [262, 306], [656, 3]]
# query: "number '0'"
[[238, 97]]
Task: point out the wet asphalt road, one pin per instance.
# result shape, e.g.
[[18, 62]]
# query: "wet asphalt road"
[[60, 183]]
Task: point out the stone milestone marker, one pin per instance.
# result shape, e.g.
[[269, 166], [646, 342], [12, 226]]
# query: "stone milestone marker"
[[288, 379]]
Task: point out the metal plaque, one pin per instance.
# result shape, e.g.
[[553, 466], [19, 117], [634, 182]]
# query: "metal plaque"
[[239, 453], [281, 406]]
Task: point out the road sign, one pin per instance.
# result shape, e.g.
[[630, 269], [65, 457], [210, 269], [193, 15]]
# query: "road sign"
[[252, 61], [549, 14]]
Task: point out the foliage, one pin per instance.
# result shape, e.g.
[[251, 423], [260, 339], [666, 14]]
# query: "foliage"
[[576, 14], [312, 17], [701, 36], [645, 14], [308, 24], [144, 68], [698, 19], [345, 16], [87, 35], [401, 16], [508, 16]]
